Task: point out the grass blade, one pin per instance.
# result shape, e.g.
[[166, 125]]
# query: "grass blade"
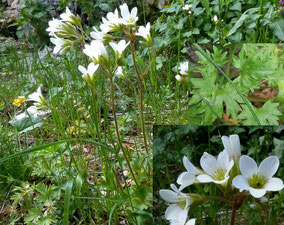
[[68, 192], [42, 147], [232, 83]]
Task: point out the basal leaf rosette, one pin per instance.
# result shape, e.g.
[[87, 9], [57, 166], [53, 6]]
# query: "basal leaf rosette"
[[258, 180]]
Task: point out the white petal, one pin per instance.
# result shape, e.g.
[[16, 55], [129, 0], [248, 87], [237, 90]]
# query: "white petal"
[[227, 146], [204, 178], [208, 163], [223, 159], [82, 69], [134, 12], [241, 183], [248, 166], [176, 214], [168, 195], [235, 145], [191, 222], [230, 166], [274, 184], [188, 165], [124, 10], [269, 166], [221, 181], [92, 68], [257, 193]]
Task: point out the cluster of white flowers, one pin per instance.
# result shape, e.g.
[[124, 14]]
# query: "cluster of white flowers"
[[125, 22], [183, 70], [229, 168], [187, 8]]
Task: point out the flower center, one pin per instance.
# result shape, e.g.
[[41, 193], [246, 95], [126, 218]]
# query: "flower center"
[[257, 181], [219, 174], [182, 202]]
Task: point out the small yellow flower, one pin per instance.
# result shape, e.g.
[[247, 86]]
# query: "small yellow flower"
[[18, 101]]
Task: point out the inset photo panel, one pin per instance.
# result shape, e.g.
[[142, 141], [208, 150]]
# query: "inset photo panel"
[[218, 175]]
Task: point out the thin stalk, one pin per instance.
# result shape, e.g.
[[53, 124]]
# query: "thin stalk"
[[117, 131], [217, 199], [141, 105], [234, 212], [231, 82]]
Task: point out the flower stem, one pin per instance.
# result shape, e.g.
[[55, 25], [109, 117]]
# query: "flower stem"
[[234, 212], [117, 131], [141, 105]]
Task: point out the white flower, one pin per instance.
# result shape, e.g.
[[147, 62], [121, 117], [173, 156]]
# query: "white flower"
[[186, 7], [178, 77], [120, 47], [183, 68], [111, 22], [119, 72], [232, 146], [177, 211], [54, 26], [187, 178], [127, 17], [217, 169], [37, 97], [258, 180], [58, 45], [32, 111], [215, 18], [98, 35], [67, 16], [145, 32], [88, 74], [96, 50]]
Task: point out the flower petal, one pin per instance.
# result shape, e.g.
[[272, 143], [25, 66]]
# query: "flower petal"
[[248, 166], [191, 222], [176, 214], [204, 178], [269, 166], [257, 193], [235, 145], [223, 159], [168, 195], [241, 183], [208, 163], [82, 69], [188, 165], [274, 184], [221, 181]]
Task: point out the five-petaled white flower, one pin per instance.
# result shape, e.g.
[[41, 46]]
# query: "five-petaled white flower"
[[183, 68], [128, 18], [145, 32], [187, 178], [88, 74], [37, 97], [177, 211], [232, 146], [96, 50], [54, 26], [111, 22], [58, 45], [120, 47], [258, 180], [217, 169], [67, 16]]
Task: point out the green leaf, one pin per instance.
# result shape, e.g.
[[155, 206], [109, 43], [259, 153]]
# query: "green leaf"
[[68, 192], [247, 14], [268, 114], [278, 29], [33, 215], [26, 124]]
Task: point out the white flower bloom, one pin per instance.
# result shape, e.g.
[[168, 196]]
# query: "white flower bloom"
[[258, 180], [120, 47], [145, 32], [187, 178], [67, 16], [127, 17], [177, 211], [96, 50], [32, 111], [58, 45], [97, 35], [54, 26], [88, 74], [111, 22], [119, 72], [37, 97], [178, 77], [217, 169], [183, 68], [215, 18], [232, 146], [187, 7]]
